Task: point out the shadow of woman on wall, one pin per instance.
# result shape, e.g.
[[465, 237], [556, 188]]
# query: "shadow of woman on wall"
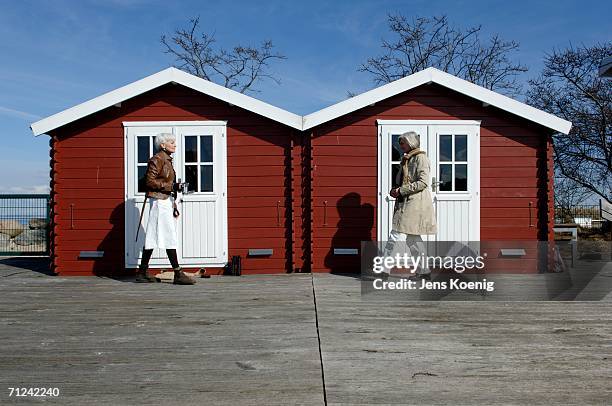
[[112, 264], [355, 224]]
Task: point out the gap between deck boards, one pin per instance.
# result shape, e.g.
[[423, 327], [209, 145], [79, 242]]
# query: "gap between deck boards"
[[314, 301]]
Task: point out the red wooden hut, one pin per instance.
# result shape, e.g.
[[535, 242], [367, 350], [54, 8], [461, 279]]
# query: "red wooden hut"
[[287, 192]]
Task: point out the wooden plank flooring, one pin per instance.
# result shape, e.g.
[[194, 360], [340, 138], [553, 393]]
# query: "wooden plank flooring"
[[391, 349], [226, 340], [254, 340]]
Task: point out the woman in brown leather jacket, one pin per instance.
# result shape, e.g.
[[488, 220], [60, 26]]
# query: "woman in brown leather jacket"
[[161, 226]]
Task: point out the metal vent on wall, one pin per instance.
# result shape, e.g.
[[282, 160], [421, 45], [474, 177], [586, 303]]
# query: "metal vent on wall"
[[91, 254], [512, 252], [260, 252], [346, 251]]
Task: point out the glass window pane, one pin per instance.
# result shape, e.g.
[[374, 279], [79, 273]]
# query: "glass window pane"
[[460, 147], [141, 179], [446, 147], [461, 177], [396, 151], [191, 148], [206, 153], [207, 178], [191, 176], [395, 168], [143, 149], [155, 148], [446, 177]]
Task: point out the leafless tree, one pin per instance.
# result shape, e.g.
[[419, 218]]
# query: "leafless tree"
[[570, 87], [423, 42], [240, 68], [568, 195]]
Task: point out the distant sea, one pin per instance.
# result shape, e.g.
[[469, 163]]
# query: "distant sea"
[[22, 210]]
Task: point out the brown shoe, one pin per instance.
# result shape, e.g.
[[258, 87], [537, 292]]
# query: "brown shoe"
[[180, 278], [143, 276]]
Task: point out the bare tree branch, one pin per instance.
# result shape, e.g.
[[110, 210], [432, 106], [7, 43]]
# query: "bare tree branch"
[[569, 86], [423, 42], [240, 68]]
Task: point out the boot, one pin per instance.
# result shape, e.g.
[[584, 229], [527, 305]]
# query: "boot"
[[143, 277], [180, 278]]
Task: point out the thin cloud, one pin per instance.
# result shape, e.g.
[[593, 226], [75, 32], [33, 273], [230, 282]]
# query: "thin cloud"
[[37, 189], [18, 113]]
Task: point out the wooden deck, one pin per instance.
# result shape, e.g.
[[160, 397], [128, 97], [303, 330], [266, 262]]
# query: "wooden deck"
[[268, 340]]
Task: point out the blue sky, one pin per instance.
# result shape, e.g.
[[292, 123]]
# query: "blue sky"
[[59, 53]]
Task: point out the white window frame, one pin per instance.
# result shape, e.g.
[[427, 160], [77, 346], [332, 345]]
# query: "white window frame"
[[220, 166], [449, 195]]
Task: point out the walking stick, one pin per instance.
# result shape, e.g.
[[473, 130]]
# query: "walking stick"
[[144, 202]]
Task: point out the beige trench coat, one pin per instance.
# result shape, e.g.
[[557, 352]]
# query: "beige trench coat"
[[413, 212]]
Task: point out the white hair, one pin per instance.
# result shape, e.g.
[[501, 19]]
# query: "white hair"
[[412, 139], [163, 138]]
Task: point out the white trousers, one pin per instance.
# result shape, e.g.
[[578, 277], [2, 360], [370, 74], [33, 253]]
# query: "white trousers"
[[161, 225], [411, 244]]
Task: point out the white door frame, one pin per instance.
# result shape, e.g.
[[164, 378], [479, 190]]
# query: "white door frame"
[[428, 139], [138, 198]]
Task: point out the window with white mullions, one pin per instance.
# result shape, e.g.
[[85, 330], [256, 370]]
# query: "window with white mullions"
[[453, 162], [396, 158], [199, 161], [145, 147]]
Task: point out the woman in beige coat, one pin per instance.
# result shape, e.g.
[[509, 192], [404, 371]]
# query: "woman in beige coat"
[[413, 213]]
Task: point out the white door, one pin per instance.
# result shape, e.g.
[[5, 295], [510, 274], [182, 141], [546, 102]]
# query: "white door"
[[389, 160], [203, 232], [453, 151], [455, 169], [200, 159]]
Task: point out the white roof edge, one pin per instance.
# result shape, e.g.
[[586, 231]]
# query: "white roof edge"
[[155, 80], [447, 80], [237, 99], [502, 102], [365, 99], [293, 120]]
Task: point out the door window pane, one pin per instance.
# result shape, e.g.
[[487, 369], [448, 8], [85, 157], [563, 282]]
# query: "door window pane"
[[191, 176], [453, 173], [461, 177], [446, 177], [396, 151], [446, 147], [143, 149], [191, 148], [395, 168], [207, 178], [141, 179], [206, 152], [460, 147]]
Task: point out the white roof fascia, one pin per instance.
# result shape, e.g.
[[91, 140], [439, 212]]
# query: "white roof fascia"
[[433, 75], [237, 99], [158, 79], [500, 101], [366, 98], [429, 75]]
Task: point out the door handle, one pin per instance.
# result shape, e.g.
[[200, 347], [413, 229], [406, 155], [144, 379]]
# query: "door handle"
[[434, 184]]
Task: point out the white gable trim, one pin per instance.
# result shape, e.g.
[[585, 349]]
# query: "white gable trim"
[[156, 80], [433, 75], [429, 75]]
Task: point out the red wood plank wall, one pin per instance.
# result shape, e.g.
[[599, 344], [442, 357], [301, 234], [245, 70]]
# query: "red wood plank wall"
[[88, 170], [323, 182], [515, 158]]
